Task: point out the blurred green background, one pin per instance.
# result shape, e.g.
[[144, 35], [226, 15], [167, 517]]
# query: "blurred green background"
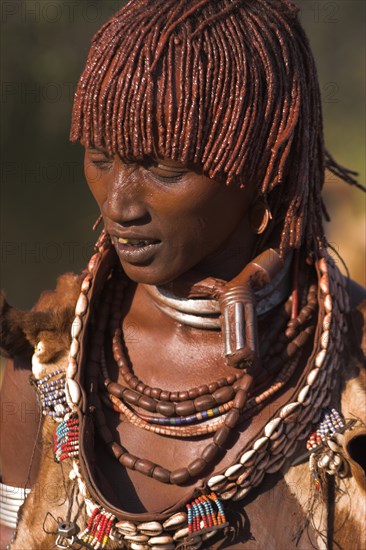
[[46, 210]]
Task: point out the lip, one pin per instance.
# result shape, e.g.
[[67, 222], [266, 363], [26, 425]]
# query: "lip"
[[135, 254]]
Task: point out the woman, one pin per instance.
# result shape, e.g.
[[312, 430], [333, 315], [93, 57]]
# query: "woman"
[[208, 337]]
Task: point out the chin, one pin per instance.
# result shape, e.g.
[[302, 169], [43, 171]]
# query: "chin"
[[147, 275]]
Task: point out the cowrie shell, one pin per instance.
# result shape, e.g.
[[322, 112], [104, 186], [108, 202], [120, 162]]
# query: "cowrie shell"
[[233, 469], [327, 321], [81, 305], [176, 519], [324, 283], [323, 265], [181, 533], [303, 393], [152, 528], [71, 368], [76, 327], [319, 359], [260, 443], [126, 527], [247, 456], [85, 285], [74, 348], [73, 390], [324, 339], [164, 539], [273, 425], [328, 305], [213, 481], [312, 376], [289, 409]]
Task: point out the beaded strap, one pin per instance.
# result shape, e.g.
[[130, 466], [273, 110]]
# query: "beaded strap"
[[66, 439]]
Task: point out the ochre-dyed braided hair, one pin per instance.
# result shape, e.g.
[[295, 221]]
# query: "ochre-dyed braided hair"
[[228, 86]]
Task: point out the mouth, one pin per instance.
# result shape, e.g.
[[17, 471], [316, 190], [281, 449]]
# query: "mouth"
[[136, 251], [137, 242]]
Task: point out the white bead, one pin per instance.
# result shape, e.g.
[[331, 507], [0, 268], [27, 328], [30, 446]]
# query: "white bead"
[[150, 528], [328, 305], [71, 370], [232, 470], [247, 456], [164, 539], [327, 321], [303, 393], [324, 283], [272, 426], [126, 527], [90, 506], [260, 442], [82, 487], [319, 359], [73, 390], [288, 409], [312, 376], [74, 348], [324, 339], [215, 480], [181, 533], [81, 305], [85, 285], [76, 327], [176, 519], [323, 265]]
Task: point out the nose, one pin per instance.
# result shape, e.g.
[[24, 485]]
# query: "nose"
[[124, 202]]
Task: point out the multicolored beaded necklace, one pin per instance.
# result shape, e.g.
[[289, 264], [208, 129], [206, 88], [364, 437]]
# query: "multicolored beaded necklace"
[[274, 443]]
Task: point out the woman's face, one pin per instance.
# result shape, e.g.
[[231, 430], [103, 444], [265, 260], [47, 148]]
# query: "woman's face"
[[165, 219]]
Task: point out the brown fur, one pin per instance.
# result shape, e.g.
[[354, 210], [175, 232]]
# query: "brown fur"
[[48, 321]]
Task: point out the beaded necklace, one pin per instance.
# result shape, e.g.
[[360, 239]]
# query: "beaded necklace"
[[274, 442]]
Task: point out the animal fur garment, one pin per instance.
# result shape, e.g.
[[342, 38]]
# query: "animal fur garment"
[[48, 322]]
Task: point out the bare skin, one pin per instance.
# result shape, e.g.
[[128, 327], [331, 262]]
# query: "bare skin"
[[199, 224], [19, 428]]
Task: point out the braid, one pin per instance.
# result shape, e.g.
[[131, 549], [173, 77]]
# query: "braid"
[[229, 86]]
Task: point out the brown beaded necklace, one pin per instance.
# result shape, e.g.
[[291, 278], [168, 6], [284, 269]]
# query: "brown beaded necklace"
[[230, 392]]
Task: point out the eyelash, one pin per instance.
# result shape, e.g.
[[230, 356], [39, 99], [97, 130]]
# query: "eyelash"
[[102, 164], [166, 179], [106, 164]]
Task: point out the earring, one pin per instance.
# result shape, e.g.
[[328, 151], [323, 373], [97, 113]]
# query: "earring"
[[98, 220], [259, 216]]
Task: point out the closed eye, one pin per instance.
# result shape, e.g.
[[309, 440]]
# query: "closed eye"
[[99, 158], [164, 173]]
